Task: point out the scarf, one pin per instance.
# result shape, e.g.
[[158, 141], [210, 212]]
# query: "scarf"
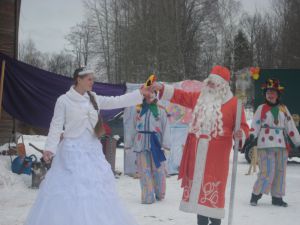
[[273, 109], [152, 107]]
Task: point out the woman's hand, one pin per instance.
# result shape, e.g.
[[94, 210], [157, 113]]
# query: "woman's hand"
[[156, 86], [47, 156], [238, 134], [145, 91]]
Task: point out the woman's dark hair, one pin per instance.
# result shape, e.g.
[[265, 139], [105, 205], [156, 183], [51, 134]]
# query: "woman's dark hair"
[[75, 74], [93, 101], [98, 129]]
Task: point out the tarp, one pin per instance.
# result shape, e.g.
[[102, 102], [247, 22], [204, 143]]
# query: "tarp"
[[30, 93]]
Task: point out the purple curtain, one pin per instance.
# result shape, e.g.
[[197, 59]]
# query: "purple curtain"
[[30, 93]]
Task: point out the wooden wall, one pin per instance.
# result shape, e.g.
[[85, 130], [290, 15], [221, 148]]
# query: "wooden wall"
[[9, 26]]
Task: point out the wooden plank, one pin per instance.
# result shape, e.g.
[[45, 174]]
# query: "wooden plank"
[[6, 127], [9, 26], [9, 29], [1, 85]]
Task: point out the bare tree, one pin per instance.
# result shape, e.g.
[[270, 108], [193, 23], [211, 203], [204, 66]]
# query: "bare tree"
[[28, 53], [80, 40], [252, 27], [62, 63], [288, 21], [166, 37], [101, 23], [274, 37], [229, 18], [127, 40]]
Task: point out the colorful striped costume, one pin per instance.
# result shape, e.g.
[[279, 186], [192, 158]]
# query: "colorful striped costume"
[[271, 126], [152, 135]]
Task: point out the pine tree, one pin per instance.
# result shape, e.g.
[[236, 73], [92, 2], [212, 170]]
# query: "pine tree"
[[242, 53]]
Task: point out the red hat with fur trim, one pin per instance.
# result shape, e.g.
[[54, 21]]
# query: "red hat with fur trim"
[[221, 71]]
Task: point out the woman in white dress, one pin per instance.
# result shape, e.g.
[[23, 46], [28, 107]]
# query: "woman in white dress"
[[79, 189]]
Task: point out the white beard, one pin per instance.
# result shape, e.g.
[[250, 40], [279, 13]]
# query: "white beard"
[[207, 115]]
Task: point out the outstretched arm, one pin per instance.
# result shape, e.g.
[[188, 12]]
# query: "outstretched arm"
[[126, 100], [177, 96]]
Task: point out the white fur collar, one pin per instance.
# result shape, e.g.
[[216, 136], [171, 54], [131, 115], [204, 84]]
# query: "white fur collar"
[[77, 97], [227, 97]]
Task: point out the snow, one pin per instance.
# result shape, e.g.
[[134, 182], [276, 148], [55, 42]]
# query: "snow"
[[16, 197]]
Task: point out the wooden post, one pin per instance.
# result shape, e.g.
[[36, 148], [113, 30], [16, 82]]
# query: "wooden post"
[[234, 165], [2, 85], [242, 82]]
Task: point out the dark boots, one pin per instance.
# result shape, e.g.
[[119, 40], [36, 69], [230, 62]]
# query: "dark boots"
[[275, 201], [254, 199], [279, 202], [203, 220]]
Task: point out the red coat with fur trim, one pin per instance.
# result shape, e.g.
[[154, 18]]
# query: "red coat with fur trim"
[[211, 158]]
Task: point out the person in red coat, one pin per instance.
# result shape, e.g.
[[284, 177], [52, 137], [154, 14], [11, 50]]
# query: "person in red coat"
[[205, 161]]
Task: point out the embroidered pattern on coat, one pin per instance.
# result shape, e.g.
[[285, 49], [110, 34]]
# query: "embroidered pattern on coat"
[[211, 193]]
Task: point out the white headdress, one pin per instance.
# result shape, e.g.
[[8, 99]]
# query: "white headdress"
[[85, 71]]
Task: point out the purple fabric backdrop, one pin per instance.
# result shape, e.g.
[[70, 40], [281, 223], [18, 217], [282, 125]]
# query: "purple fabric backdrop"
[[30, 93]]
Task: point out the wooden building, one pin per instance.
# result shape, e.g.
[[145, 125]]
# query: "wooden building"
[[9, 26]]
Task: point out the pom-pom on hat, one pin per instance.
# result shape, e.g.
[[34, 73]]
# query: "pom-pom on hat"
[[220, 71]]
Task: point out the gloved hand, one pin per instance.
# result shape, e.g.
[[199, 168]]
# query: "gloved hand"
[[251, 137], [252, 140]]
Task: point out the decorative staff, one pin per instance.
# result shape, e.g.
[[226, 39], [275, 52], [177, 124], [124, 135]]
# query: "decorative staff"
[[243, 85]]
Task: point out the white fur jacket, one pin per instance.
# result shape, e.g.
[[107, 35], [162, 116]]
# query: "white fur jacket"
[[74, 113]]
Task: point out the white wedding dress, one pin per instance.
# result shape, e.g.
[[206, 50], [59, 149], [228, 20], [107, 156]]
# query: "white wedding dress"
[[79, 189]]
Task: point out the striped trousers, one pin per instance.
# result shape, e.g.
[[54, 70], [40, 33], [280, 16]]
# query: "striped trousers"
[[152, 179], [272, 172]]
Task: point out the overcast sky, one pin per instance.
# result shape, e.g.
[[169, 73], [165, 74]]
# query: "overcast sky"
[[47, 22]]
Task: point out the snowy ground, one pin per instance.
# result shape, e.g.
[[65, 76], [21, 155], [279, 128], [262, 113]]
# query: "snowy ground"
[[16, 198]]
